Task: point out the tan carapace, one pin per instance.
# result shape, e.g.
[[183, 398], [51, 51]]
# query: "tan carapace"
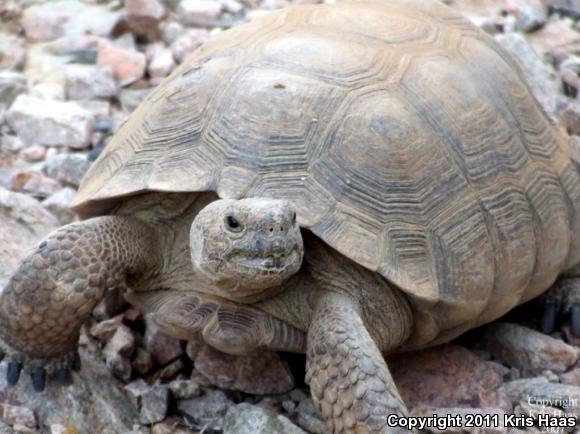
[[433, 193]]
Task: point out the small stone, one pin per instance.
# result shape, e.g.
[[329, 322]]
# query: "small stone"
[[199, 13], [547, 394], [170, 371], [308, 418], [67, 168], [163, 348], [12, 84], [206, 412], [443, 376], [514, 390], [118, 351], [12, 52], [529, 350], [59, 205], [142, 361], [194, 346], [161, 64], [18, 415], [184, 389], [104, 330], [49, 122], [170, 31], [555, 35], [89, 82], [262, 373], [571, 377], [33, 153], [154, 404], [143, 17], [251, 419], [40, 186], [135, 391], [127, 64], [187, 43], [530, 18], [129, 100]]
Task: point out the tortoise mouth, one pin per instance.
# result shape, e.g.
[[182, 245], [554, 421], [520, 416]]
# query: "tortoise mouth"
[[266, 263]]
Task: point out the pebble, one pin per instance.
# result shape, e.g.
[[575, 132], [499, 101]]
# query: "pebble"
[[127, 65], [118, 351], [18, 415], [12, 52], [251, 419], [33, 153], [49, 122], [262, 373], [206, 413], [104, 330], [59, 205], [161, 64], [143, 17], [87, 82], [163, 348], [142, 361], [530, 18], [187, 43], [12, 84], [529, 350], [184, 389], [67, 168], [199, 13]]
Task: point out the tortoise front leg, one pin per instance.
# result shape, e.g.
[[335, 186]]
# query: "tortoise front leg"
[[349, 380], [57, 285], [229, 327]]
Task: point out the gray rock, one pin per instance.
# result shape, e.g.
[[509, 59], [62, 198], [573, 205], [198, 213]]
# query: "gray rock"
[[118, 352], [34, 183], [89, 82], [59, 205], [251, 419], [308, 418], [143, 17], [33, 153], [188, 42], [12, 52], [154, 404], [529, 350], [142, 361], [67, 168], [184, 389], [206, 413], [562, 396], [135, 391], [16, 415], [50, 122], [12, 84], [514, 390], [127, 64], [530, 18], [161, 63], [542, 78], [105, 330], [262, 373], [199, 13], [163, 348]]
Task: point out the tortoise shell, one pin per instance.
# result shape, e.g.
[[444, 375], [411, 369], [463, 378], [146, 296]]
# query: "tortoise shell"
[[407, 139]]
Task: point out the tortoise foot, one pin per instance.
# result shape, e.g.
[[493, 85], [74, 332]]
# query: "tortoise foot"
[[562, 300]]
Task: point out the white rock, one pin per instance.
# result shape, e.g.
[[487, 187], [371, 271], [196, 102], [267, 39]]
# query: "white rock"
[[199, 13], [187, 43], [50, 123], [127, 64], [161, 64], [59, 204], [12, 84], [89, 82], [12, 53], [251, 419]]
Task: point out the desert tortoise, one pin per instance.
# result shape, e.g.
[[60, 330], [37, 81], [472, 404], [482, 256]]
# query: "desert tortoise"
[[391, 144]]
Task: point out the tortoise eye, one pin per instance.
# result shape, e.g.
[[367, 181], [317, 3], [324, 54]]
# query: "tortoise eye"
[[233, 224]]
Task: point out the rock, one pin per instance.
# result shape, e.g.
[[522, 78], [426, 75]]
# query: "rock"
[[89, 82], [169, 371], [59, 205], [308, 418], [12, 52], [33, 153], [170, 31], [555, 35], [443, 376], [184, 389], [154, 404], [34, 183], [251, 419], [571, 377], [543, 81], [194, 346], [93, 403], [530, 18], [12, 84], [127, 64], [556, 395], [23, 223], [199, 13], [50, 123], [51, 20], [514, 390], [67, 168], [161, 64], [18, 415], [142, 361], [105, 330], [187, 43], [130, 99], [118, 352], [529, 350], [496, 416], [570, 74], [163, 348], [135, 390], [143, 17], [206, 413], [262, 373]]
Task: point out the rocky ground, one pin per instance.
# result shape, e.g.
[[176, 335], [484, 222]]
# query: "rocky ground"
[[71, 72]]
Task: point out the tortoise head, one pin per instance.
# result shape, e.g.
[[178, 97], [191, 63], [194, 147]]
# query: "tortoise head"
[[245, 247]]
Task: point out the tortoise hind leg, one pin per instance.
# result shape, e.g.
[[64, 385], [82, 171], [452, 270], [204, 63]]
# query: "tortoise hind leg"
[[56, 286], [348, 377]]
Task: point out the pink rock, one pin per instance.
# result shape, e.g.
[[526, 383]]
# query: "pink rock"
[[128, 65], [262, 373], [104, 330], [163, 348], [144, 16], [187, 43], [34, 153], [443, 376], [17, 415]]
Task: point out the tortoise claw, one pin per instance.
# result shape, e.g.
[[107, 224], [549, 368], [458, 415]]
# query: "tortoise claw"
[[38, 376], [549, 318], [575, 319], [14, 369], [62, 376]]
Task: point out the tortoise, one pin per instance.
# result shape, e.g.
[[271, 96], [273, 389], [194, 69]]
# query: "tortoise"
[[343, 180]]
